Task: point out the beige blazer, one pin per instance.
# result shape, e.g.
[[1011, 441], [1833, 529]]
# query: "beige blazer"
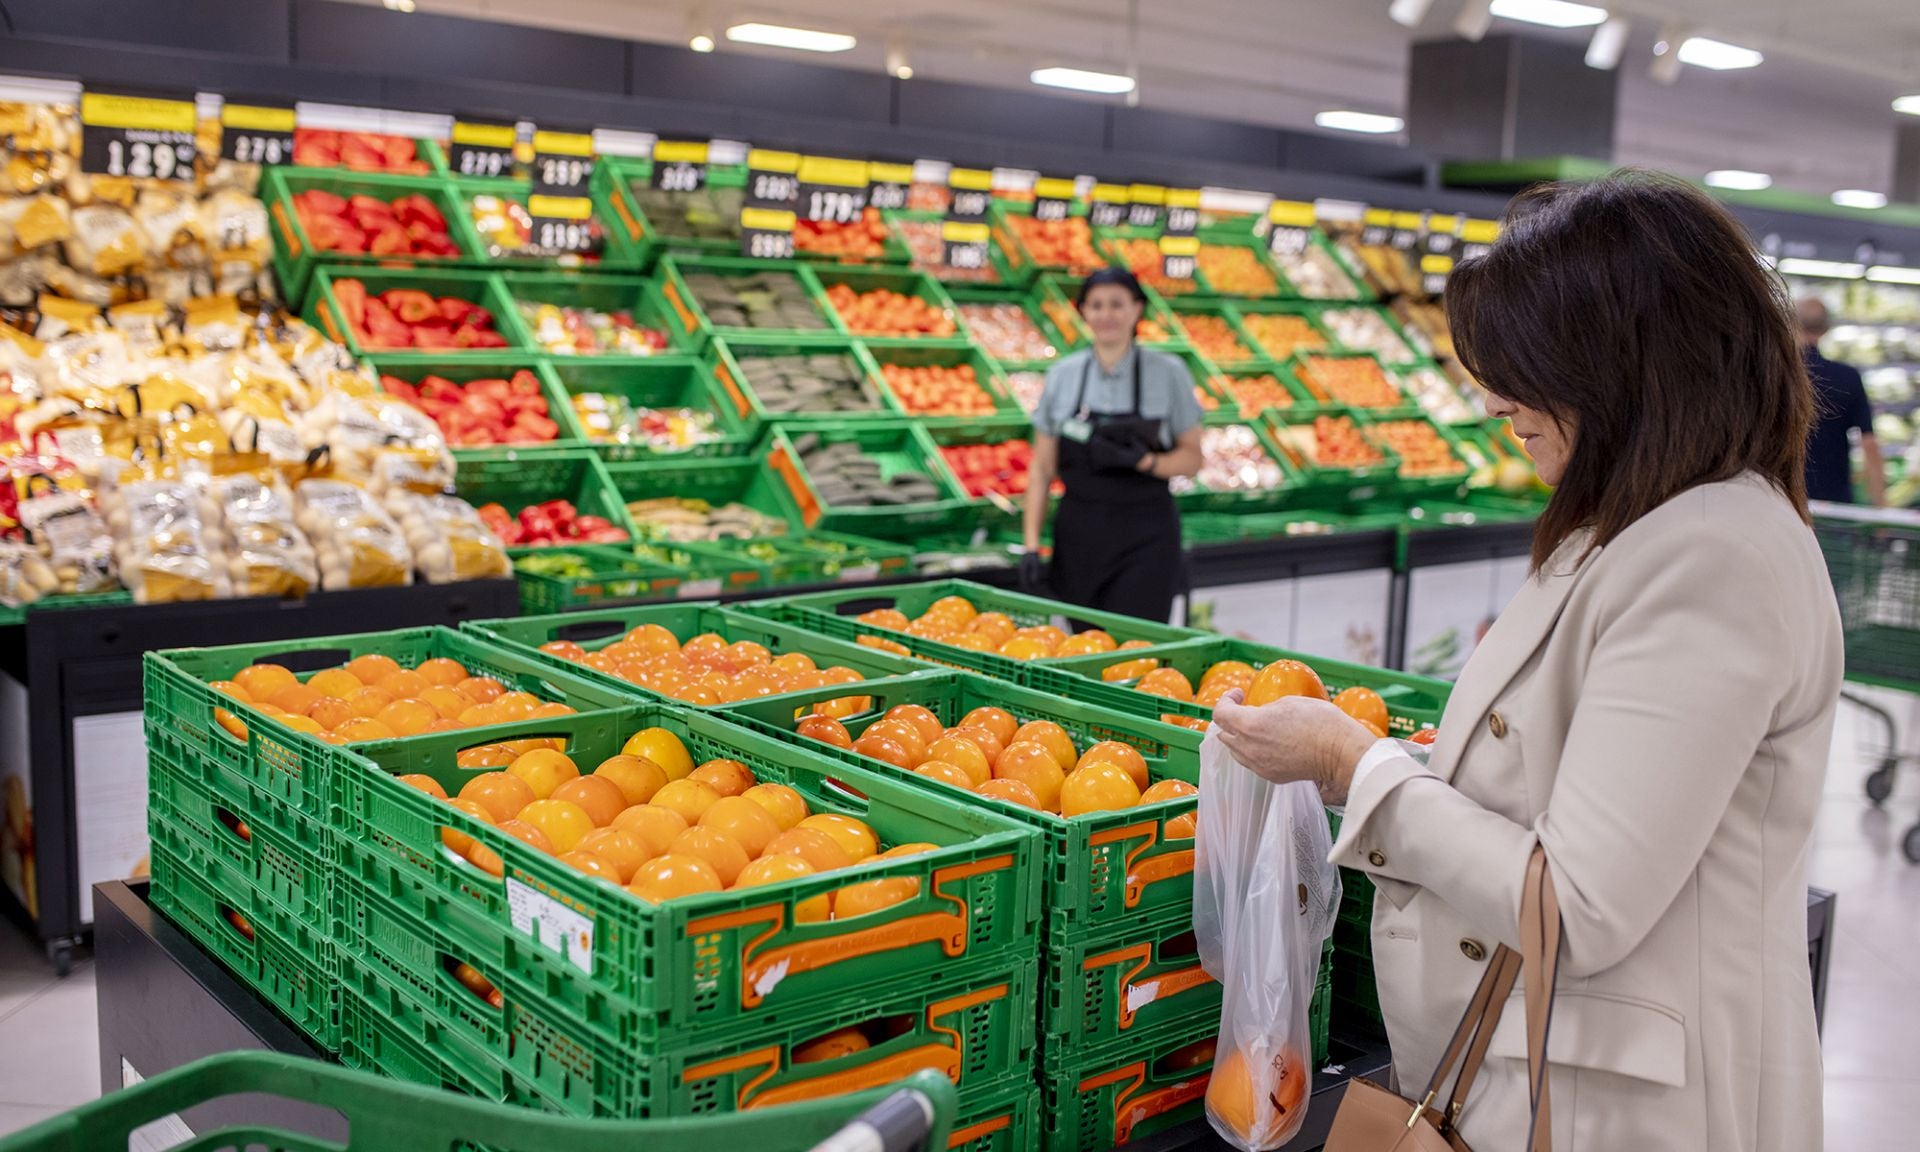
[[1657, 715]]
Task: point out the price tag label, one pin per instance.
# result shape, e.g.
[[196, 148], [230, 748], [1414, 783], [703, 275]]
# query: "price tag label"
[[832, 190], [1183, 211], [1477, 237], [1179, 247], [1052, 198], [767, 233], [1406, 231], [1107, 208], [965, 243], [680, 165], [772, 180], [561, 210], [1178, 255], [888, 184], [972, 190], [964, 234], [147, 136], [481, 148], [1376, 227], [1292, 222], [256, 133], [1143, 205]]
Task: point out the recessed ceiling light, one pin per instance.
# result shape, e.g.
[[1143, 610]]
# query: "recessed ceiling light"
[[1367, 122], [1908, 104], [781, 36], [1859, 198], [398, 5], [701, 43], [1738, 179], [1702, 52], [1831, 269], [1408, 13], [1608, 45], [1082, 80], [1552, 13]]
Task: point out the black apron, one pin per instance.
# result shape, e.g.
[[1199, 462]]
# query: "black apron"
[[1116, 538]]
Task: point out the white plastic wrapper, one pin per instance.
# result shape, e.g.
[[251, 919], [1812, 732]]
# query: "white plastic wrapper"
[[252, 529], [1264, 902], [449, 540], [163, 542], [358, 545], [25, 575]]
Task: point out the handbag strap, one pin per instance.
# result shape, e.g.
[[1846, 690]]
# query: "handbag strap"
[[1475, 1027]]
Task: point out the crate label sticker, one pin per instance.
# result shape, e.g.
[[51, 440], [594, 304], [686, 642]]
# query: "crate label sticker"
[[150, 137], [1141, 995], [855, 573], [766, 982], [481, 148], [699, 589], [256, 133], [558, 928]]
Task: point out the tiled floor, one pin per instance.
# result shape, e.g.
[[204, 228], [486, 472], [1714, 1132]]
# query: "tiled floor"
[[49, 1045]]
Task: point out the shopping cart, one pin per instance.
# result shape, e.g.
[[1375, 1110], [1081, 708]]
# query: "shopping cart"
[[387, 1116], [1874, 560]]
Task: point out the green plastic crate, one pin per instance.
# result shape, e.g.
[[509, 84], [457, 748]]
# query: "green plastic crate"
[[688, 321], [997, 272], [615, 180], [1058, 344], [616, 252], [1018, 254], [413, 367], [1118, 243], [968, 431], [1102, 868], [596, 630], [1288, 429], [660, 382], [614, 575], [515, 479], [1245, 309], [732, 360], [428, 151], [1231, 409], [287, 961], [893, 247], [835, 614], [921, 354], [1413, 702], [600, 291], [294, 255], [1356, 277], [898, 447], [292, 769], [1004, 1117], [635, 972], [1323, 311], [482, 288], [1191, 495], [975, 1028], [1134, 981], [1186, 309], [1298, 366], [1215, 237], [809, 558], [1452, 483], [715, 482], [902, 280]]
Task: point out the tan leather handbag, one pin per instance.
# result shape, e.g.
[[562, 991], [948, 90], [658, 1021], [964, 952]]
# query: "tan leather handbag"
[[1372, 1119]]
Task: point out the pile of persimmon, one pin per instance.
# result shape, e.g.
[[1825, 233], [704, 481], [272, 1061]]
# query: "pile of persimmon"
[[991, 753], [938, 389], [707, 670], [954, 620], [648, 820], [884, 312], [1262, 686], [373, 698]]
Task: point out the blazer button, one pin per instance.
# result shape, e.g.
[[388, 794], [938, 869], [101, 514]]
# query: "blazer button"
[[1377, 859], [1473, 950], [1497, 724]]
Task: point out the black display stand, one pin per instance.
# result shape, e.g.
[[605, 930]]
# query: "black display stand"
[[164, 1003], [86, 662]]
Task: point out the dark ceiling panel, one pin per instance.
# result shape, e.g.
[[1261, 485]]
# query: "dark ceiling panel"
[[167, 70], [418, 44], [751, 82], [234, 27], [1177, 134], [1013, 118]]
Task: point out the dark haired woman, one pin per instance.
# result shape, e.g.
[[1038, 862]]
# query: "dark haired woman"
[[1654, 708], [1115, 423]]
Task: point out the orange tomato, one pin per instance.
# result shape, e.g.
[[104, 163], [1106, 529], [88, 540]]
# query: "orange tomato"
[[1168, 682], [1012, 791], [459, 841], [901, 732], [825, 729], [1366, 706], [1123, 756], [423, 783], [1233, 668], [689, 798], [481, 689], [359, 729], [722, 852], [655, 828], [873, 896], [1050, 736], [835, 1044], [447, 703], [592, 865], [1182, 827], [407, 717], [946, 773], [964, 755], [620, 848], [600, 798], [879, 747], [998, 721], [261, 682], [296, 698], [884, 618], [527, 834], [1168, 790], [637, 777], [852, 835], [1098, 787], [786, 806], [1128, 669], [669, 877], [1285, 678], [990, 746], [372, 668], [663, 748], [544, 770], [1025, 648], [742, 821], [727, 777], [335, 682], [1037, 768], [822, 852], [442, 671], [927, 724], [500, 794]]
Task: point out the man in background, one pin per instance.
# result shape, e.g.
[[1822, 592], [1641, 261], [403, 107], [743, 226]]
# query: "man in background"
[[1841, 406]]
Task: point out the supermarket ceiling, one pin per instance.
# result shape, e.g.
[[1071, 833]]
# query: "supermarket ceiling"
[[1816, 115]]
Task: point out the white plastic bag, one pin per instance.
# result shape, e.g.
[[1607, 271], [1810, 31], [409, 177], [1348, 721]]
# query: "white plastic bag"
[[1264, 902]]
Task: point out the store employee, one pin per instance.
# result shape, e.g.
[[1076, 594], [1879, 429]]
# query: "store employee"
[[1114, 423]]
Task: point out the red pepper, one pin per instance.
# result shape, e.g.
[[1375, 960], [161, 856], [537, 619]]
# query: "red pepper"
[[411, 306], [351, 296]]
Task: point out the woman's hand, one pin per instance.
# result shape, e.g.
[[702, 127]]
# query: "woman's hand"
[[1294, 738]]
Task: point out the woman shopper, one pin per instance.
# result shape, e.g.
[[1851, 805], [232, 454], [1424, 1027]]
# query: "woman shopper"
[[1115, 422], [1654, 708]]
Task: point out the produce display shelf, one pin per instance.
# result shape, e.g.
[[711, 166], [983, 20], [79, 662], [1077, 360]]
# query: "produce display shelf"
[[1230, 407], [1300, 364], [1128, 247], [595, 630], [836, 613], [602, 574], [688, 320], [1200, 498], [903, 281], [613, 183], [727, 964], [1057, 291], [894, 352], [323, 309], [1217, 237], [661, 382], [295, 253], [1128, 982], [414, 367], [1102, 868], [1413, 702], [898, 447], [516, 479], [1000, 272], [601, 291], [1029, 302], [616, 250], [1306, 310], [1287, 429], [733, 364], [715, 482], [1020, 255], [807, 557]]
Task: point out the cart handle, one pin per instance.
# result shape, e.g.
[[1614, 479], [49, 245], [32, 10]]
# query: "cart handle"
[[902, 1122]]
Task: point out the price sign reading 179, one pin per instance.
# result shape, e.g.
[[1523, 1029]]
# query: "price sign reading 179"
[[832, 191]]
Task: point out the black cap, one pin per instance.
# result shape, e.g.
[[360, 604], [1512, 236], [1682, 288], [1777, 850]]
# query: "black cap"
[[1110, 275]]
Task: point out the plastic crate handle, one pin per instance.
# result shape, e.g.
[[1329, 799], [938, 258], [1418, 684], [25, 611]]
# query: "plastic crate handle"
[[1129, 1110], [1134, 996], [1141, 873]]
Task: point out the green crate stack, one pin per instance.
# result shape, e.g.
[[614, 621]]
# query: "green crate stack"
[[1192, 495], [687, 318], [998, 508], [295, 255], [564, 579], [1291, 432], [1356, 994], [600, 291], [1018, 254], [594, 630], [890, 352], [1118, 244], [1447, 482], [836, 613], [641, 990], [904, 281], [491, 199], [997, 273], [265, 771], [734, 363], [1103, 869], [482, 288], [1112, 1096], [1231, 409], [1240, 238], [1114, 987], [661, 382], [413, 367], [516, 479], [1413, 702], [706, 222], [899, 448]]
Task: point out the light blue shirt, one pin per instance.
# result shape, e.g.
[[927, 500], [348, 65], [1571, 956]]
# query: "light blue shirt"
[[1166, 391]]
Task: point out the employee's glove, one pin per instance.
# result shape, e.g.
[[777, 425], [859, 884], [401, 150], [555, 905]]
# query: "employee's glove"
[[1114, 452], [1033, 573]]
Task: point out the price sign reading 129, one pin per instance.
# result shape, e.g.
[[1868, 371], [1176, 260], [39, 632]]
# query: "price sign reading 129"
[[149, 137]]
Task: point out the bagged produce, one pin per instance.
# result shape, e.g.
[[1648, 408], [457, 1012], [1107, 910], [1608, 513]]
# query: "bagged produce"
[[1264, 902], [357, 544], [25, 576], [449, 539], [265, 552], [163, 541], [44, 507]]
